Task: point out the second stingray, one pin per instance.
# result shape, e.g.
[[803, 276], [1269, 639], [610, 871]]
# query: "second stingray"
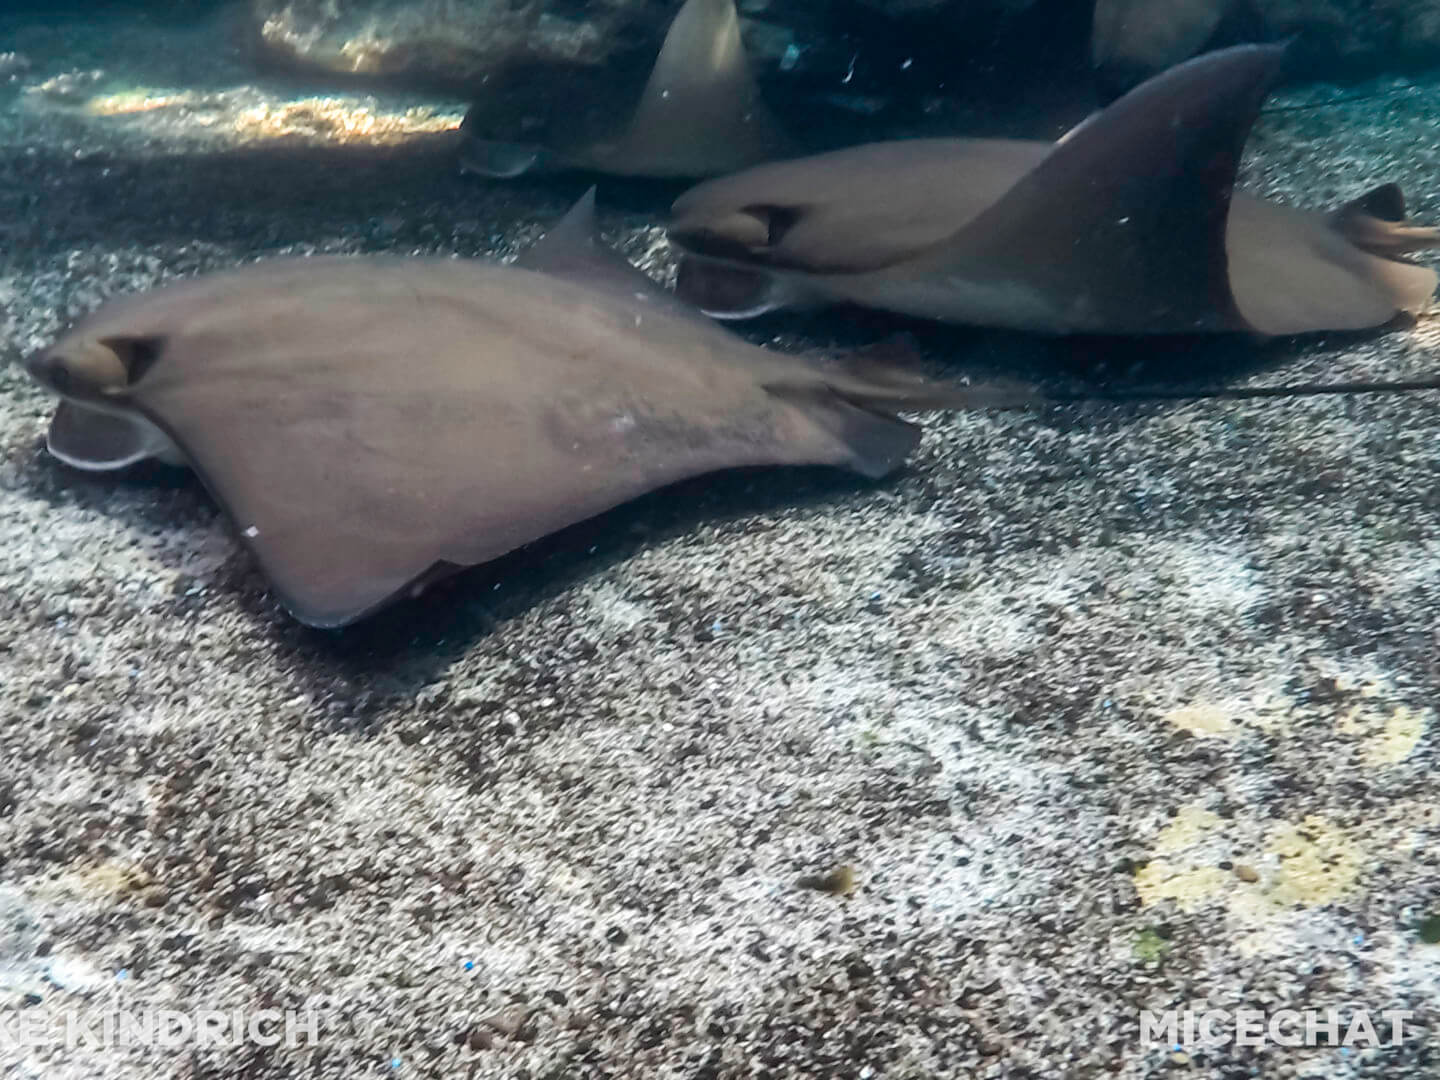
[[373, 423], [1128, 225], [700, 114]]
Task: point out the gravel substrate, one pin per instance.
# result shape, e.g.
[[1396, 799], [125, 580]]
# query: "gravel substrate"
[[1109, 708]]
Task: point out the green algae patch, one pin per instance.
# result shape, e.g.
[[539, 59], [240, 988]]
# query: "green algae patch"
[[1150, 946]]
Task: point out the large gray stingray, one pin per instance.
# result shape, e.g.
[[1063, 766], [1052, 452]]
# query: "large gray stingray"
[[1127, 225], [699, 115], [373, 423]]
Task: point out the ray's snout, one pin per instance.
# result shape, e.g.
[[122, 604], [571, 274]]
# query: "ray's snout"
[[34, 365], [735, 234], [49, 370], [90, 371]]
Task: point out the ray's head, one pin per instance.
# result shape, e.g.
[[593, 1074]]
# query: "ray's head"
[[88, 369]]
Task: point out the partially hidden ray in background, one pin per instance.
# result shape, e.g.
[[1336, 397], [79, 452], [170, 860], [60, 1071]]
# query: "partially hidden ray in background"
[[1127, 225], [700, 114], [372, 423], [1131, 40]]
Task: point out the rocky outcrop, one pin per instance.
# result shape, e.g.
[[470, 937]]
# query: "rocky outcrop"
[[441, 43], [1331, 38]]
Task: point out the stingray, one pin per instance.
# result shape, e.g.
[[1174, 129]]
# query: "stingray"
[[1128, 225], [700, 114], [373, 423]]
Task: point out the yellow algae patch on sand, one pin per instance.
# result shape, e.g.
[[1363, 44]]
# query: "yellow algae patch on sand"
[[1203, 720], [1398, 740], [1183, 879], [1319, 863], [1363, 711], [109, 880], [111, 877], [1191, 825], [1387, 734], [1192, 888], [1258, 709], [1308, 864]]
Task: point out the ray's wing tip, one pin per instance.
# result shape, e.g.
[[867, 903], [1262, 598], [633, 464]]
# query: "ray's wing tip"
[[340, 610], [317, 615], [1253, 62], [329, 623], [1261, 61]]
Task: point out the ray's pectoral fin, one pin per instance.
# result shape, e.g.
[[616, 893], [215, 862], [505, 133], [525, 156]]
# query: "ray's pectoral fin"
[[1386, 202], [853, 401], [1376, 222], [701, 112], [322, 534], [874, 443], [573, 250], [570, 249], [1121, 228], [100, 441]]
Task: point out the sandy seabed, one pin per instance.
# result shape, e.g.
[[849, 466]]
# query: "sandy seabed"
[[1109, 708]]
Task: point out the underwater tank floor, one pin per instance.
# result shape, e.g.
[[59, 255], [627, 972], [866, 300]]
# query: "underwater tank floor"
[[1110, 708]]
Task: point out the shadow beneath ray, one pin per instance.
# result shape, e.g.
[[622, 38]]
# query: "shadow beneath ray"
[[415, 639], [1075, 362], [405, 199], [153, 495], [422, 636], [252, 198]]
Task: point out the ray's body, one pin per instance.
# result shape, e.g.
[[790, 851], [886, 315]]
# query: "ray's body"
[[1127, 225], [372, 423]]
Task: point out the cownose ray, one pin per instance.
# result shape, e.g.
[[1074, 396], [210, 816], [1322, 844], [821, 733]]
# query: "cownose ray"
[[373, 423], [1128, 225], [700, 114]]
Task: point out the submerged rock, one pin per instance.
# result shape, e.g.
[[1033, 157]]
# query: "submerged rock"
[[1133, 39], [436, 42]]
